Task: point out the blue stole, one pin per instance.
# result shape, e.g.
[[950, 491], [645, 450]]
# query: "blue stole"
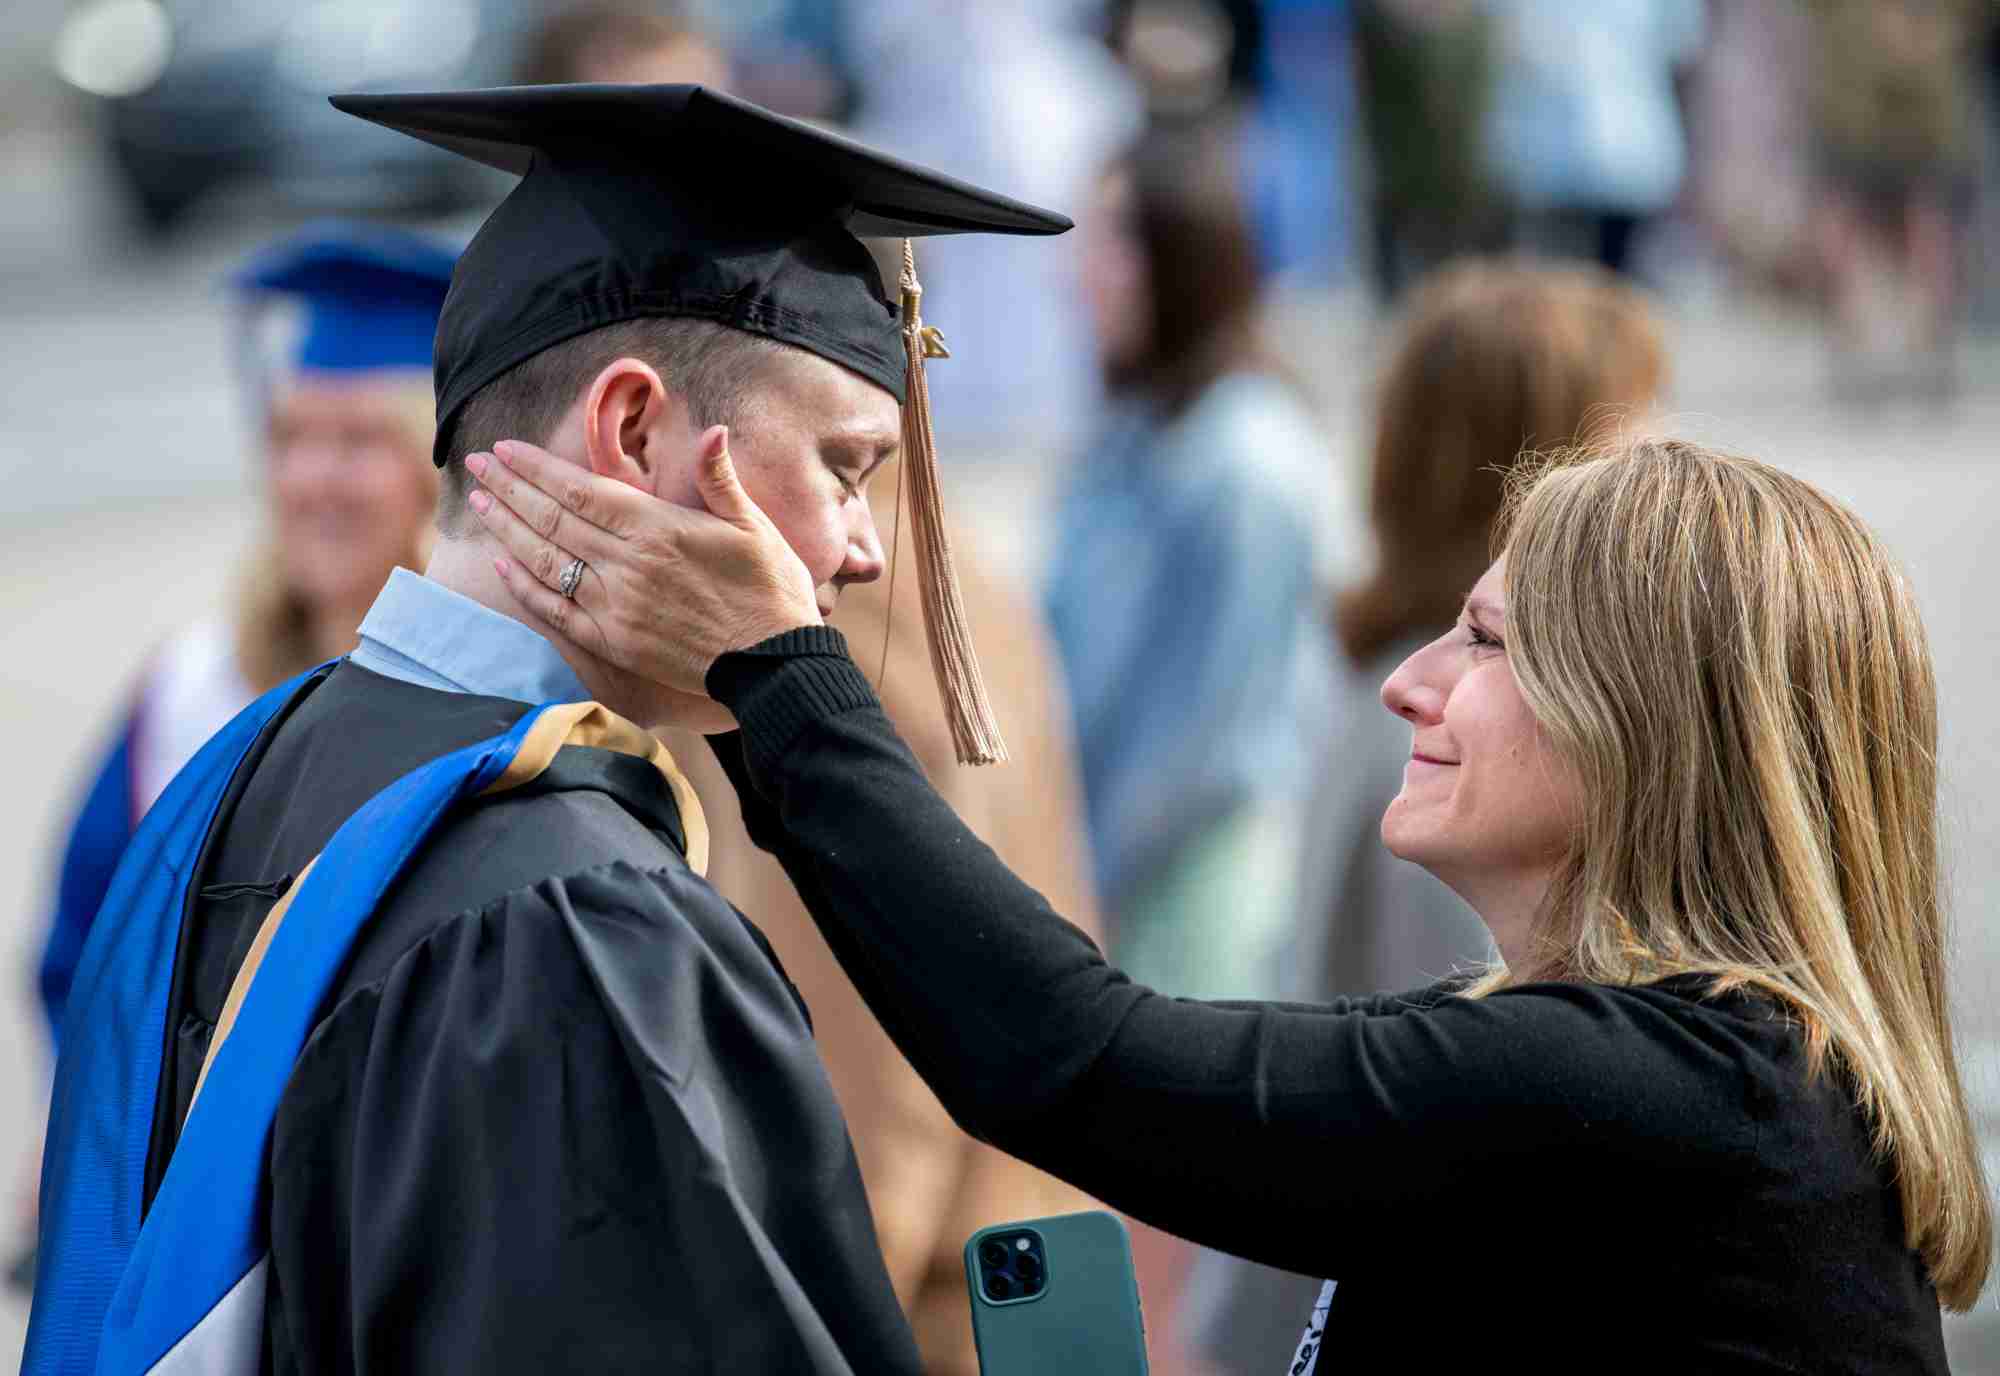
[[184, 1290]]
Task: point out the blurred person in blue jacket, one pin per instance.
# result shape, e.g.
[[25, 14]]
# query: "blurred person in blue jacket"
[[1494, 360], [1586, 133], [349, 488], [1182, 588]]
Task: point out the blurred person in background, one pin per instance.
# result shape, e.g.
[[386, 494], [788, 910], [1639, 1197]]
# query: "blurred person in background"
[[1181, 588], [1894, 113], [624, 44], [1286, 65], [1187, 56], [1495, 361], [1426, 92], [1586, 134], [1183, 595], [929, 1185], [1750, 170], [349, 490], [1021, 95], [787, 55]]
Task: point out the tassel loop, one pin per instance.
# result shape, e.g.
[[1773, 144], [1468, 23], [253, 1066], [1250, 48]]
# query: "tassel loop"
[[974, 732]]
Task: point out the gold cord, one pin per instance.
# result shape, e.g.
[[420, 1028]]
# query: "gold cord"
[[975, 734]]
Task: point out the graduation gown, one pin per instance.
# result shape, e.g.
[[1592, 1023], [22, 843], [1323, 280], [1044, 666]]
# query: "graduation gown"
[[561, 1108]]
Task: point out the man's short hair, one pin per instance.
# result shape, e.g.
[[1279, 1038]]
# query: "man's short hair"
[[710, 367]]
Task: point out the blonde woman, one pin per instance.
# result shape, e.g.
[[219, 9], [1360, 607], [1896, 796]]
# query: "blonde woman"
[[1492, 361], [350, 492], [1678, 752]]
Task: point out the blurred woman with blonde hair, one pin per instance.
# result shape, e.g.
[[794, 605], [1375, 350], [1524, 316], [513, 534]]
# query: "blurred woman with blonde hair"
[[347, 423], [1677, 750]]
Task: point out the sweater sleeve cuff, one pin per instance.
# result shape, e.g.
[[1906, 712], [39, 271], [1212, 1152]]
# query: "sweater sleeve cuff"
[[779, 686]]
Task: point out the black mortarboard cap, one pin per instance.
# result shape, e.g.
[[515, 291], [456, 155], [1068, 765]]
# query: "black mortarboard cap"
[[675, 200]]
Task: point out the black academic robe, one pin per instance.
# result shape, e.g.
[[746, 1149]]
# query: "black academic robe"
[[561, 1110]]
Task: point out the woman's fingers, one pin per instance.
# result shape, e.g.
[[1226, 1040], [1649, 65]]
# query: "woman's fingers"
[[538, 556], [561, 615], [667, 588], [509, 494], [721, 493], [602, 502]]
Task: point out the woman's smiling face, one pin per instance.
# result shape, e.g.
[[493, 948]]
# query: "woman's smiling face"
[[1486, 805]]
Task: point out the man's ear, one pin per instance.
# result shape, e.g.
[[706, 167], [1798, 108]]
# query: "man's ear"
[[628, 414]]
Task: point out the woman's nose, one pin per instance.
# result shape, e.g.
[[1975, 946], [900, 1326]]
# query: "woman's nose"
[[1407, 694]]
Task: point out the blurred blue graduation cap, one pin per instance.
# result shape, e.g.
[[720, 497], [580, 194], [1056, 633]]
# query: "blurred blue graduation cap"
[[371, 293]]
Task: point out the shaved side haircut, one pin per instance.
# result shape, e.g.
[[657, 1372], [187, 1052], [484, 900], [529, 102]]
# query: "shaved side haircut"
[[711, 367]]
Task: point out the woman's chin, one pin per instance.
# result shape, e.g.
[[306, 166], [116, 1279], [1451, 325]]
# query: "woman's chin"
[[1402, 833]]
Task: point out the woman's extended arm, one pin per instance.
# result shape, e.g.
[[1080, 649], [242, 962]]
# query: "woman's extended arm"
[[1282, 1133], [1285, 1133]]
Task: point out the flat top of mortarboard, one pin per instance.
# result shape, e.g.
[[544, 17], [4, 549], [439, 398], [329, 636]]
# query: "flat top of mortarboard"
[[675, 201], [657, 126]]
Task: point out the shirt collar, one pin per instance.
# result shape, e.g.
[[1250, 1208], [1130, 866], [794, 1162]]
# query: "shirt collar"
[[422, 632]]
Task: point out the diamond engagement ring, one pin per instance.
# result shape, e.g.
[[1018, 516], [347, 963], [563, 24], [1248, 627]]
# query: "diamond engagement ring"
[[572, 575]]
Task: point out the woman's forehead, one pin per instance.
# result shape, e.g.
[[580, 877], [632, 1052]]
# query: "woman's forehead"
[[309, 387], [1490, 592]]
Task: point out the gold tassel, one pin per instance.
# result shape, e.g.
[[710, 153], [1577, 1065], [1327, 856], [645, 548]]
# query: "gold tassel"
[[974, 733]]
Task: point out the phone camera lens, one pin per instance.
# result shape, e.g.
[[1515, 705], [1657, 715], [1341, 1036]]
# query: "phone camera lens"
[[1000, 1286], [1030, 1269], [993, 1252]]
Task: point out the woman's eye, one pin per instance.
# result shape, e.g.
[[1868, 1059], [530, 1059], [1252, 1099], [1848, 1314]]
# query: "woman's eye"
[[1480, 639]]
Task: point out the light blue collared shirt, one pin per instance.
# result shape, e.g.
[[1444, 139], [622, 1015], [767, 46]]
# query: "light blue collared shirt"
[[424, 633]]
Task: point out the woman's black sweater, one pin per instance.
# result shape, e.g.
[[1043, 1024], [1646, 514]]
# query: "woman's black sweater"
[[1579, 1176]]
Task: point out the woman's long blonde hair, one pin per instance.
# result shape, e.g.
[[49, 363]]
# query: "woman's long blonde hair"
[[1736, 670]]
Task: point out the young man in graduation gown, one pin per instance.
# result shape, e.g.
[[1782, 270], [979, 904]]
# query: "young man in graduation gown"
[[410, 1036]]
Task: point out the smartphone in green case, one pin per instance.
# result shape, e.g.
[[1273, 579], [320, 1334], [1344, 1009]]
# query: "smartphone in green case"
[[1051, 1296]]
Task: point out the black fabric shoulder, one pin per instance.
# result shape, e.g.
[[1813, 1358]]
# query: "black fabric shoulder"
[[582, 1127], [506, 844]]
